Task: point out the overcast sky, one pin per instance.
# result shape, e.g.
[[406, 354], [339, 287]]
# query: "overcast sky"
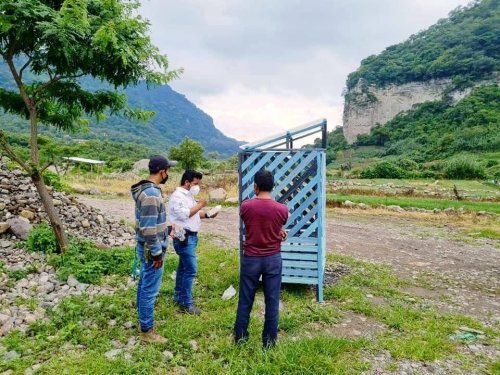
[[259, 67]]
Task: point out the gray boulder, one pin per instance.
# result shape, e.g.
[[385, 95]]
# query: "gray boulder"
[[19, 227], [217, 195]]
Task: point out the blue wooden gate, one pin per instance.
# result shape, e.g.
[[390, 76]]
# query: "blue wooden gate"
[[300, 184]]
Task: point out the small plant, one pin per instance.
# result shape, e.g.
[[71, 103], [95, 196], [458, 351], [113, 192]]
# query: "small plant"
[[54, 180], [42, 238], [17, 275]]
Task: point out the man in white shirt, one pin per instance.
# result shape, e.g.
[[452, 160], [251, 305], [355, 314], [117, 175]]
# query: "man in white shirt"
[[185, 212]]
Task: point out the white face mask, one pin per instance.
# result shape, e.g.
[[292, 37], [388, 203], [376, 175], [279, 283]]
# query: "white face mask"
[[195, 189]]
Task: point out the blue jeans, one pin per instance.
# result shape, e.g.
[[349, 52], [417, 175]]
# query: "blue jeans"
[[251, 269], [186, 270], [147, 290]]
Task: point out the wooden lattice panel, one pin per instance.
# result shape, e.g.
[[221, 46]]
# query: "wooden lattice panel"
[[299, 184]]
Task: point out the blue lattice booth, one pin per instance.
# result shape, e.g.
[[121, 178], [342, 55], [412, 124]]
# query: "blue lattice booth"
[[300, 184]]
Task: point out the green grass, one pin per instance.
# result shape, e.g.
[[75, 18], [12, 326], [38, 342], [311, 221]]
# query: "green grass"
[[427, 203], [78, 334]]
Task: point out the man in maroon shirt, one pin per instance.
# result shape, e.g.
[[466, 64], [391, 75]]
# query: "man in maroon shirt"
[[264, 219]]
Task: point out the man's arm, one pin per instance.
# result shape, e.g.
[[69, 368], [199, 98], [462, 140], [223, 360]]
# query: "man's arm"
[[150, 209]]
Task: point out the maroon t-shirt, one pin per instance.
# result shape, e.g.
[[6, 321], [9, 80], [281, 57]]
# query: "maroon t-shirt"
[[263, 218]]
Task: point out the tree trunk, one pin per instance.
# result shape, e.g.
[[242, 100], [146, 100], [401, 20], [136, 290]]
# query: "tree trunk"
[[50, 209]]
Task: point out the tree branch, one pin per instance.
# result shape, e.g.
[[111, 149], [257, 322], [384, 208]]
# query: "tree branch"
[[54, 80], [4, 144], [48, 164], [24, 67]]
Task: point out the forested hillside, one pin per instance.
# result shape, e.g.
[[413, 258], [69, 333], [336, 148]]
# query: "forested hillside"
[[176, 118], [437, 130], [465, 46]]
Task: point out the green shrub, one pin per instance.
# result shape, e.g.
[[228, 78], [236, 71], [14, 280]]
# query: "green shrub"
[[54, 180], [42, 238], [88, 263], [463, 168], [408, 164], [383, 169], [491, 163]]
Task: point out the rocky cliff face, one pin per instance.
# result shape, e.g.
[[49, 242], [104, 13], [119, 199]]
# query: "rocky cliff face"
[[369, 105]]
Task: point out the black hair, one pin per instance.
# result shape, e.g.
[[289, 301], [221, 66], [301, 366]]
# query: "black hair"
[[264, 180], [189, 175]]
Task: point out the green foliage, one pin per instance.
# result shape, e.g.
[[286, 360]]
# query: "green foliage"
[[189, 154], [464, 46], [42, 238], [118, 156], [438, 130], [54, 180], [89, 264], [335, 142], [463, 168], [383, 169]]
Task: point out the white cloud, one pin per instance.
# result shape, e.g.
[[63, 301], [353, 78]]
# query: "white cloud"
[[251, 115], [257, 64]]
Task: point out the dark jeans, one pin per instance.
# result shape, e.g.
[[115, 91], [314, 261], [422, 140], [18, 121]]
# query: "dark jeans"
[[186, 270], [250, 271]]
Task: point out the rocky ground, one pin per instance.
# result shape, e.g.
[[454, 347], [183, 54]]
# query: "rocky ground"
[[451, 275]]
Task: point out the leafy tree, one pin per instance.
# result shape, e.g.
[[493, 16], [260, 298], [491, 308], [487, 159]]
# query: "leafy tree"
[[189, 154], [48, 45]]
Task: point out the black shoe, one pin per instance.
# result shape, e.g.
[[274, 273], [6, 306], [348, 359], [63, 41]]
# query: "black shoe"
[[192, 310]]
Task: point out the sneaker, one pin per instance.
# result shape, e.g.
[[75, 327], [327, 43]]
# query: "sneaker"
[[152, 337], [192, 310]]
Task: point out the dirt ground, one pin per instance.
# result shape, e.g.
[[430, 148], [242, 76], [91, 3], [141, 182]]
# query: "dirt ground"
[[452, 275]]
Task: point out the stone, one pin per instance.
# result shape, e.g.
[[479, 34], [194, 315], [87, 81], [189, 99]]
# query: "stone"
[[168, 355], [449, 211], [229, 293], [232, 200], [112, 354], [217, 195], [128, 325], [395, 208], [348, 204], [20, 228], [30, 215], [3, 319], [11, 355], [57, 202], [363, 206], [5, 244], [194, 345], [72, 281], [4, 227], [85, 223], [94, 191]]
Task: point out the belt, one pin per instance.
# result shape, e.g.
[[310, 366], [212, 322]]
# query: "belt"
[[190, 233]]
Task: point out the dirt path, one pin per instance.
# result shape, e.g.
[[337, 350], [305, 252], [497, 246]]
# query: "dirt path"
[[455, 276]]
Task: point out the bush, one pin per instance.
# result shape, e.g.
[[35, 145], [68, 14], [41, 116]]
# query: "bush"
[[54, 180], [463, 168], [88, 263], [408, 164], [383, 169], [42, 238]]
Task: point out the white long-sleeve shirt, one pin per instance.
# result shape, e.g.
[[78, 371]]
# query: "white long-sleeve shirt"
[[179, 207]]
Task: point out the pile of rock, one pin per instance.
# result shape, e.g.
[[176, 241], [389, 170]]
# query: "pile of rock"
[[20, 208], [37, 289]]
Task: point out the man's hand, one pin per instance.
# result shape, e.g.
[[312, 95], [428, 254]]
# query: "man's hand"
[[283, 235], [158, 261]]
